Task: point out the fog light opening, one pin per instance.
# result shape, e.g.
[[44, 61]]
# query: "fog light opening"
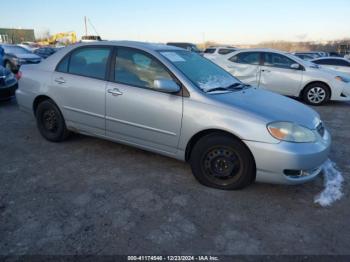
[[299, 173]]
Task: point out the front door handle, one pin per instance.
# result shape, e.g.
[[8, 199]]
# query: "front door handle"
[[265, 70], [60, 80], [114, 92]]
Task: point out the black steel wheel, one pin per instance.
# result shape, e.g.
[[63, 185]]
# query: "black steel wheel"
[[50, 122], [222, 161]]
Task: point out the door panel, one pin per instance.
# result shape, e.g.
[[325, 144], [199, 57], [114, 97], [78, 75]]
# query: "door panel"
[[80, 87], [281, 80], [135, 111], [82, 101], [143, 117]]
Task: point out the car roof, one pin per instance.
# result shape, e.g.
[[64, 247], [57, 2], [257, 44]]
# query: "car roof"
[[261, 50], [9, 45], [51, 62], [222, 46], [309, 52], [133, 44]]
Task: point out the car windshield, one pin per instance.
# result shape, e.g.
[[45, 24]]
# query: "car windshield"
[[15, 50], [203, 73]]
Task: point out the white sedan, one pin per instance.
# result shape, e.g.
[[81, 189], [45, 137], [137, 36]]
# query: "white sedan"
[[335, 63], [217, 51], [286, 74]]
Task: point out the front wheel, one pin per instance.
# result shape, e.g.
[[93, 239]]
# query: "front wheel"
[[223, 162], [316, 94], [50, 122]]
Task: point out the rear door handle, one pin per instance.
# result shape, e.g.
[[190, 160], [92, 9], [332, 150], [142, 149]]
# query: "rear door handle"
[[60, 80], [114, 92]]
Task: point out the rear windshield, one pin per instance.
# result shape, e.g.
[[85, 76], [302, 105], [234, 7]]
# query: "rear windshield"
[[15, 50]]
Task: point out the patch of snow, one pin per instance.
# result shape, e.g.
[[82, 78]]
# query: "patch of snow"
[[333, 182], [214, 82]]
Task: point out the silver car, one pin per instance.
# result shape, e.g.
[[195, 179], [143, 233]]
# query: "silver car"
[[176, 103]]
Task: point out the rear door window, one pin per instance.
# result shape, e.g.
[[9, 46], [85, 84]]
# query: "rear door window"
[[87, 61], [90, 62], [277, 60], [252, 58]]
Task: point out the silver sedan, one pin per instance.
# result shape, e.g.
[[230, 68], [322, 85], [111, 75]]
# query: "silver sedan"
[[176, 103]]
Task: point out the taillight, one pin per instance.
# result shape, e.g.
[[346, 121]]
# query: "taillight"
[[18, 75]]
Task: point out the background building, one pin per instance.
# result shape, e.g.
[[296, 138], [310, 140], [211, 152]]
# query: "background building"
[[16, 36]]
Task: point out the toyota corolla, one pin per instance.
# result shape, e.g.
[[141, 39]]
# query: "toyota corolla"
[[176, 103]]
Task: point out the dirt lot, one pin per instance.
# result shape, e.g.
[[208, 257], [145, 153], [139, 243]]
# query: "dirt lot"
[[89, 196]]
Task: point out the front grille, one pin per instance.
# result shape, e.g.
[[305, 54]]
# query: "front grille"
[[321, 129]]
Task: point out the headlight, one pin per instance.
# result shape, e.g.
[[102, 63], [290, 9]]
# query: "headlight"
[[290, 132], [342, 79]]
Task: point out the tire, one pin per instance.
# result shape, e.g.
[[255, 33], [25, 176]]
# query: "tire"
[[223, 162], [50, 122], [316, 94]]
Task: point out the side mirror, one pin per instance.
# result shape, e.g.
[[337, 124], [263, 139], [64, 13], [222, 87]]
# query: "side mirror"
[[295, 66], [166, 85]]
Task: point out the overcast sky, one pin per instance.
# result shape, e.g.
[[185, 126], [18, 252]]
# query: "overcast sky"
[[225, 21]]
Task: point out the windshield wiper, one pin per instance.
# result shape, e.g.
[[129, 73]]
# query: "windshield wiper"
[[217, 89], [235, 86]]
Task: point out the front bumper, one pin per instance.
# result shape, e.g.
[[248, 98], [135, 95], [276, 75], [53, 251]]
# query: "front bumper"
[[275, 161], [342, 92], [7, 92]]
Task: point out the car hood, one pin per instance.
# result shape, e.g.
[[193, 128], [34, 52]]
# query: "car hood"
[[27, 56], [269, 106], [331, 73]]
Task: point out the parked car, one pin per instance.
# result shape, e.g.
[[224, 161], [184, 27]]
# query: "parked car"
[[287, 74], [30, 46], [214, 51], [176, 103], [187, 46], [8, 83], [335, 63], [305, 57], [335, 54], [314, 55], [90, 38], [15, 56], [2, 53], [45, 52]]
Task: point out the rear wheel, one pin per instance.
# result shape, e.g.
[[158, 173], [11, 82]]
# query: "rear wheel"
[[316, 94], [50, 122], [223, 162]]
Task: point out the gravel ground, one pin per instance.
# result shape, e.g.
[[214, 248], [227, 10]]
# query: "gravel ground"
[[89, 196]]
